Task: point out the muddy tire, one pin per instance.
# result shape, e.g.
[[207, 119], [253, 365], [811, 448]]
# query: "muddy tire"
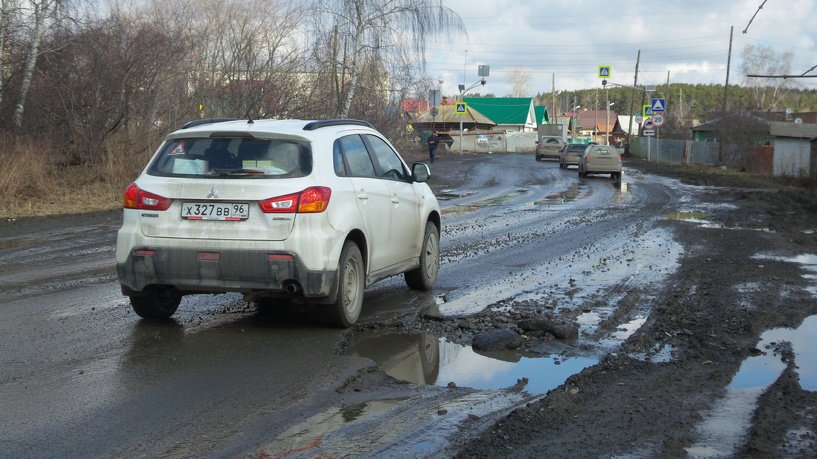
[[155, 303], [423, 276], [351, 283]]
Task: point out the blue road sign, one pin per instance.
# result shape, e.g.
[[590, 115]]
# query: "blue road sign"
[[658, 105]]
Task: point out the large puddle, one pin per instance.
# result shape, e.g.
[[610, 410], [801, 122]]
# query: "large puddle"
[[701, 219], [725, 427], [427, 360]]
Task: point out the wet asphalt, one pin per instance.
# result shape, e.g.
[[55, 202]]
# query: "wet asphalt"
[[82, 375]]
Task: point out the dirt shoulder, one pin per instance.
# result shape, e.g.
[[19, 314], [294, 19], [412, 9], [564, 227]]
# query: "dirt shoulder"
[[711, 313]]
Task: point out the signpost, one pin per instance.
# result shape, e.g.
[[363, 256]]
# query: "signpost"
[[461, 108], [605, 71]]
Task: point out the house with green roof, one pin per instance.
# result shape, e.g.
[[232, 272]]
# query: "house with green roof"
[[513, 114], [542, 116]]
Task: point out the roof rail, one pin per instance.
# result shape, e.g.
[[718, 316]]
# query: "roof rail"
[[312, 125], [200, 122]]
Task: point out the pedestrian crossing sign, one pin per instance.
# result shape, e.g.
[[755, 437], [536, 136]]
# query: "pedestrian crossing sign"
[[605, 71], [461, 108], [646, 111]]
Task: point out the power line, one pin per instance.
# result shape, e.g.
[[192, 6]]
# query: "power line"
[[753, 16]]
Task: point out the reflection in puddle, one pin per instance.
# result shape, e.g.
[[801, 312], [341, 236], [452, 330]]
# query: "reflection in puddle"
[[574, 191], [481, 204], [310, 434], [724, 429], [423, 359], [399, 427]]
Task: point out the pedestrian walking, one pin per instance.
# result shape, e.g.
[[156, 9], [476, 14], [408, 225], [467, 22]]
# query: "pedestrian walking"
[[433, 141]]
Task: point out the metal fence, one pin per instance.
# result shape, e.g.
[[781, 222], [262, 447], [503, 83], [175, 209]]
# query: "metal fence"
[[674, 151]]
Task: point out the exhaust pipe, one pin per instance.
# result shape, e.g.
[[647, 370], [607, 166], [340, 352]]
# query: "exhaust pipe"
[[292, 287]]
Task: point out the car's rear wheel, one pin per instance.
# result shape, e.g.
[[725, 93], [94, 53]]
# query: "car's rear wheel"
[[423, 276], [156, 303], [351, 283]]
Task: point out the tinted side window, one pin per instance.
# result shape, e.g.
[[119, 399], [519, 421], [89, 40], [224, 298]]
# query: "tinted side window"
[[354, 150], [390, 164], [337, 159]]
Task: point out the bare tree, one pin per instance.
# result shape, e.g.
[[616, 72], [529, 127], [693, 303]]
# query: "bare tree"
[[519, 80], [366, 27], [763, 60], [41, 9]]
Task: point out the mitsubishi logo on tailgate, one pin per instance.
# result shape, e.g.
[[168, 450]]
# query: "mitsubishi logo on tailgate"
[[213, 193]]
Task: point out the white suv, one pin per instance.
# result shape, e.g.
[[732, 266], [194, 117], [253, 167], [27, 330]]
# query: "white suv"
[[316, 209]]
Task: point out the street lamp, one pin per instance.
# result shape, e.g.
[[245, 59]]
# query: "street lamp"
[[483, 72]]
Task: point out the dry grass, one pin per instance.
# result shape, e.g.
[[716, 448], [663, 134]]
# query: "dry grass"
[[38, 180]]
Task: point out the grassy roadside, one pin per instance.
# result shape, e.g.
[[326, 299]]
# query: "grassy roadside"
[[38, 180]]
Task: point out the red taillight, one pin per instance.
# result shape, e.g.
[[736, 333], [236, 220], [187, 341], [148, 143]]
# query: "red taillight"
[[310, 200], [144, 252], [136, 198], [314, 200], [280, 205]]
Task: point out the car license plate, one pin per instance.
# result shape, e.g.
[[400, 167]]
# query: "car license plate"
[[224, 211]]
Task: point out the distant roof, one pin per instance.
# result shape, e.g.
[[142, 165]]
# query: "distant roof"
[[789, 129], [541, 114], [448, 114], [503, 110], [415, 105], [597, 120]]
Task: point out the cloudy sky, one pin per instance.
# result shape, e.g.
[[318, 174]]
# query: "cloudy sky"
[[571, 38]]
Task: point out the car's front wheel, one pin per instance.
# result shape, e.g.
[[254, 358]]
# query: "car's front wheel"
[[156, 303], [423, 276], [351, 283]]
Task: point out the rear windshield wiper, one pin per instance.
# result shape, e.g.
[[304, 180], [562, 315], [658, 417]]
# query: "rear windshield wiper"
[[225, 172]]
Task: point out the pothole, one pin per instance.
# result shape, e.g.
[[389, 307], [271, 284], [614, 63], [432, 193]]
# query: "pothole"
[[428, 360]]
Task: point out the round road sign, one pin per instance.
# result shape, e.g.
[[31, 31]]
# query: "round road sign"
[[658, 119], [639, 119], [648, 124]]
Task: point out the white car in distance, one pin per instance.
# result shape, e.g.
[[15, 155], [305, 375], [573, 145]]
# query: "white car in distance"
[[276, 208]]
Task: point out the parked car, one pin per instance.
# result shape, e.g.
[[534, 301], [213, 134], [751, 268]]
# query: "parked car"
[[548, 147], [600, 159], [276, 208], [570, 154]]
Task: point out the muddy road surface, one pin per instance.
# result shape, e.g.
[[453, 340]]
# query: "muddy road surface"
[[670, 315]]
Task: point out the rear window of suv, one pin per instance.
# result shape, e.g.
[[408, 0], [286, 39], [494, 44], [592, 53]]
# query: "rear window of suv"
[[232, 157]]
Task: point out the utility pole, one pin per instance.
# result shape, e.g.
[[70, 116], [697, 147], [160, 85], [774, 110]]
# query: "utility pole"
[[632, 99], [553, 105], [725, 97], [596, 115]]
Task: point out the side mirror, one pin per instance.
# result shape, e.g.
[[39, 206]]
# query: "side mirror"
[[420, 172]]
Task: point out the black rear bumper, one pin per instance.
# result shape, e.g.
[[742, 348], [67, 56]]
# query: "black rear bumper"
[[234, 271]]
